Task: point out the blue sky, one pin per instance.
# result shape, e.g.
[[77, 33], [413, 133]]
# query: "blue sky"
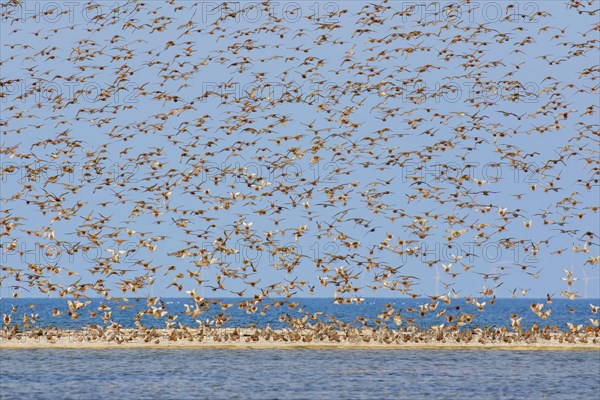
[[123, 92]]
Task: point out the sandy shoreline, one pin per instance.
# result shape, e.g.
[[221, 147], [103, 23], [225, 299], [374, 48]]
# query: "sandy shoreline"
[[222, 338]]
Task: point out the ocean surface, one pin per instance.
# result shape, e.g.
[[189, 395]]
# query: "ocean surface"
[[576, 311], [297, 374]]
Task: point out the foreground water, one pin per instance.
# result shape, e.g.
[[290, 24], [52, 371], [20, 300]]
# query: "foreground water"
[[297, 374]]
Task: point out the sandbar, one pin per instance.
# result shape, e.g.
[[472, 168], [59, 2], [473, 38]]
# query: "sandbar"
[[248, 338]]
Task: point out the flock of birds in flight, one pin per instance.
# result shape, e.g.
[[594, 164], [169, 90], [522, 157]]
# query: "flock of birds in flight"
[[244, 162]]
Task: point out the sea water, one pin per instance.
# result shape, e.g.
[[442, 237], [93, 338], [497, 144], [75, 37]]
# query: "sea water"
[[576, 311], [297, 374]]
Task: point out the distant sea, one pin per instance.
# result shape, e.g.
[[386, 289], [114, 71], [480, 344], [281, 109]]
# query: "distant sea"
[[576, 311]]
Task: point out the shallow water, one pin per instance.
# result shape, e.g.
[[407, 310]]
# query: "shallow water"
[[297, 374]]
